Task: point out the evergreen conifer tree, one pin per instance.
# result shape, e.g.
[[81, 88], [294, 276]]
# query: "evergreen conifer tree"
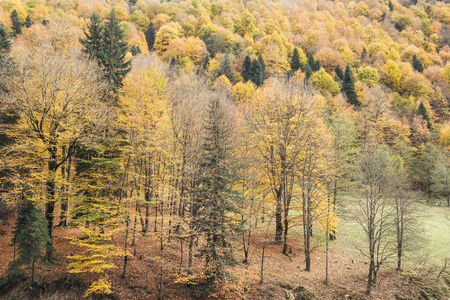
[[28, 22], [16, 23], [339, 72], [226, 68], [206, 63], [422, 110], [5, 41], [45, 22], [113, 51], [214, 199], [348, 87], [30, 236], [417, 64], [135, 50], [295, 62], [173, 63], [256, 74], [263, 66], [364, 54], [247, 68], [150, 36], [391, 6], [308, 72], [92, 43]]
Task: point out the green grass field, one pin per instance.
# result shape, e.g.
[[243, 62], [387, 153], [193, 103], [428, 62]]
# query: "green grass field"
[[430, 242]]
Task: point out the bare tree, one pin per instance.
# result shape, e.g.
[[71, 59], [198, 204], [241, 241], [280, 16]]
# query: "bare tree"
[[375, 214]]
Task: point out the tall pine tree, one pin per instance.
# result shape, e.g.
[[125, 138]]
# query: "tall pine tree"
[[92, 43], [348, 87], [246, 66], [256, 74], [339, 72], [417, 64], [226, 68], [214, 200], [295, 62], [30, 236], [28, 22], [5, 41], [113, 51], [150, 36], [422, 110], [16, 23]]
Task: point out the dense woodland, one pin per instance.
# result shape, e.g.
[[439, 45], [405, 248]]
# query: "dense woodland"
[[195, 125]]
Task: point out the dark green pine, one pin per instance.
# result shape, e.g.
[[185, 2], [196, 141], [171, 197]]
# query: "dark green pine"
[[5, 41], [308, 72], [256, 74], [214, 197], [390, 5], [295, 62], [135, 50], [173, 62], [339, 72], [422, 110], [206, 63], [16, 23], [92, 43], [150, 36], [417, 64], [227, 68], [364, 54], [113, 51], [247, 65], [30, 236], [348, 87], [28, 22]]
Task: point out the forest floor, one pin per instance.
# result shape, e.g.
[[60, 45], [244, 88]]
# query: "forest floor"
[[347, 266]]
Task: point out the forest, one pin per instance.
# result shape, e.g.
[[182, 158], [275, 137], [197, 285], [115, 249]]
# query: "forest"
[[212, 149]]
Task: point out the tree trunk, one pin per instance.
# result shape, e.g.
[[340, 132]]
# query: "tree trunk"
[[333, 232], [279, 224], [308, 251], [286, 228], [50, 204]]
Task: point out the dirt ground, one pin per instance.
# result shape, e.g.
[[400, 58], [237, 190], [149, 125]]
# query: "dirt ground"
[[347, 274]]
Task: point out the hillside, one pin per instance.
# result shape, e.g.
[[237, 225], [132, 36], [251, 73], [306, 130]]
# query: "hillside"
[[192, 149]]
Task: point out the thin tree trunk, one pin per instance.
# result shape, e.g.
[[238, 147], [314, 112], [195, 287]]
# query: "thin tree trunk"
[[50, 204]]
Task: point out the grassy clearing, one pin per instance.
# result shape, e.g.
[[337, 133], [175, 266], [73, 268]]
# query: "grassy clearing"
[[431, 244]]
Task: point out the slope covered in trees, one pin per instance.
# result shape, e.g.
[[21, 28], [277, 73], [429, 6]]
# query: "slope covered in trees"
[[218, 130]]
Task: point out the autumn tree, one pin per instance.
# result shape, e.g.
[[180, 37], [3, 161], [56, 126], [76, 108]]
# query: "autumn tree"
[[56, 95], [440, 174], [315, 171], [279, 124]]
